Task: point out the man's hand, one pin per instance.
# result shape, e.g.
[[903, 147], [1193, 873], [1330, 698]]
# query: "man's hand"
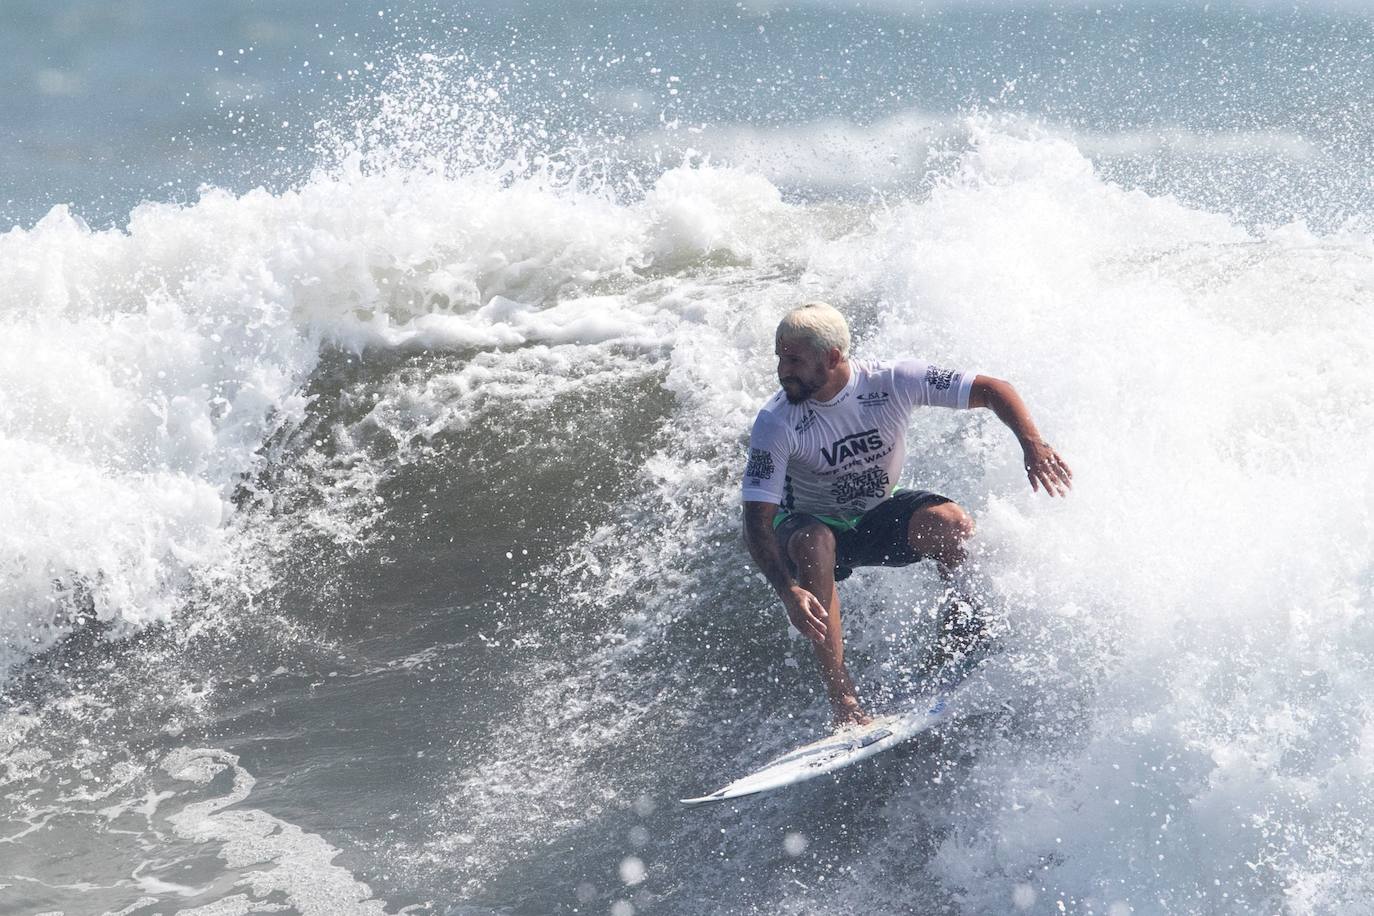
[[1046, 469], [806, 612]]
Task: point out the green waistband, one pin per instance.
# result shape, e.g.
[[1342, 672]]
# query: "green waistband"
[[842, 522]]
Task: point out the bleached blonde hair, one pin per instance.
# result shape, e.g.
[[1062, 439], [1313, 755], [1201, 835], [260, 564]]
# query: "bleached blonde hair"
[[818, 324]]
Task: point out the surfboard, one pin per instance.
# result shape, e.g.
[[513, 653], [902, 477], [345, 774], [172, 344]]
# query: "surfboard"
[[844, 748]]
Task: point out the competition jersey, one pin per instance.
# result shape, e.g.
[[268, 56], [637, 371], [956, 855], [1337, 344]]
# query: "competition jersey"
[[842, 457]]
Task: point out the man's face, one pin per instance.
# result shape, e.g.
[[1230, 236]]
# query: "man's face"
[[802, 369]]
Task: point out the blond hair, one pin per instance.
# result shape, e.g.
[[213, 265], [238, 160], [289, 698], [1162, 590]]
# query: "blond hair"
[[818, 324]]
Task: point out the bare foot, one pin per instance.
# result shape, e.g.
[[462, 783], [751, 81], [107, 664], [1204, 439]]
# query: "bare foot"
[[847, 712]]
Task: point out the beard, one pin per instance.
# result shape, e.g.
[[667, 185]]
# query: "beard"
[[797, 390]]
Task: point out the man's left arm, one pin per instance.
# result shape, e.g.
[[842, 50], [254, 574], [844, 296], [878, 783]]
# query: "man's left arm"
[[1044, 467]]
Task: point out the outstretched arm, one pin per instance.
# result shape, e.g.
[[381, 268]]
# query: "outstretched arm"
[[806, 612], [1044, 467]]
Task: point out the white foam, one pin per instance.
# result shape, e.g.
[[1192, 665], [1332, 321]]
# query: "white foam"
[[272, 856], [233, 905], [143, 369]]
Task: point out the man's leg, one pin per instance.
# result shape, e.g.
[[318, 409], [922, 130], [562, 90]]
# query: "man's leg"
[[812, 551], [942, 532]]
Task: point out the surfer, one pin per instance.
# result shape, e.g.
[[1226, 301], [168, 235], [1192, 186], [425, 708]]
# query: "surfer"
[[819, 486]]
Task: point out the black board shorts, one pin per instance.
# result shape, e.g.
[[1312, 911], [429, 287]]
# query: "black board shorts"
[[878, 538]]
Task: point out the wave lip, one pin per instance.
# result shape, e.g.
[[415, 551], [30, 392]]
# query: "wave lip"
[[144, 370]]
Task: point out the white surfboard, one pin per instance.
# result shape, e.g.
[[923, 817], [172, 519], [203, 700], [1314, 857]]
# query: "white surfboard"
[[845, 747]]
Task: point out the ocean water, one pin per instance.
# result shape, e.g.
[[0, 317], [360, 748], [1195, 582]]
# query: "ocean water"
[[374, 382]]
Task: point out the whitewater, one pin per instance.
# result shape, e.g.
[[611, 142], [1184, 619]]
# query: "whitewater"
[[370, 543]]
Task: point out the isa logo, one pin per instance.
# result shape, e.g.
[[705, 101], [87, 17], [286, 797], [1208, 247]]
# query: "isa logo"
[[873, 399]]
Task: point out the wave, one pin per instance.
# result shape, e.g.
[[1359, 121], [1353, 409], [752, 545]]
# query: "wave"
[[1190, 630], [145, 368]]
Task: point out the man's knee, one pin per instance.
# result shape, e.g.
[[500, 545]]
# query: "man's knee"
[[941, 530], [812, 545], [955, 522]]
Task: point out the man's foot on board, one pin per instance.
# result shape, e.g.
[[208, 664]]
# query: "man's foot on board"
[[965, 636], [966, 630], [848, 713]]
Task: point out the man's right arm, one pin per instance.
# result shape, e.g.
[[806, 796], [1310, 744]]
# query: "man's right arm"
[[763, 547], [805, 611]]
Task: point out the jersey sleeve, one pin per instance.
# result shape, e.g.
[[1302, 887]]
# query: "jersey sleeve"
[[923, 384], [766, 469]]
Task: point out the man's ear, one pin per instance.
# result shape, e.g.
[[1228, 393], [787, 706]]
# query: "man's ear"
[[833, 358]]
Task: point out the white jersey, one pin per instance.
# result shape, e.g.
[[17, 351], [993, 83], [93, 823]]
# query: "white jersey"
[[842, 457]]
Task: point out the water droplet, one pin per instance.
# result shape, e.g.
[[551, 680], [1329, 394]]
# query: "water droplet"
[[632, 870]]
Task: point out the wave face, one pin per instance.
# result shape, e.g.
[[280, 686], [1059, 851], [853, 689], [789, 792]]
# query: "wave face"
[[371, 545]]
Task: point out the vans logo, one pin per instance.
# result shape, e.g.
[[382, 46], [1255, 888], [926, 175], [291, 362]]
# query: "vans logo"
[[849, 446]]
